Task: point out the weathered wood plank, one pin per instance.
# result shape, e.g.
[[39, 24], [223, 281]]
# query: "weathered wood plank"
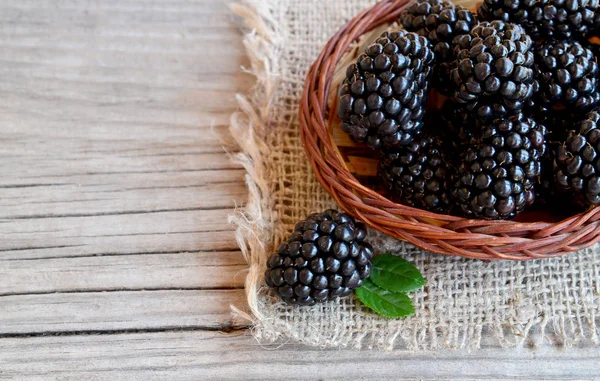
[[131, 233], [113, 173], [53, 165], [119, 310], [110, 108], [216, 356], [116, 182], [124, 272], [74, 200]]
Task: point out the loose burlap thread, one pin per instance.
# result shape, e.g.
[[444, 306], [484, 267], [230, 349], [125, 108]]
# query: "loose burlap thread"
[[465, 304]]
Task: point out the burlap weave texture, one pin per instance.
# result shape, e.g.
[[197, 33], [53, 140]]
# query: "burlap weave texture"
[[465, 304]]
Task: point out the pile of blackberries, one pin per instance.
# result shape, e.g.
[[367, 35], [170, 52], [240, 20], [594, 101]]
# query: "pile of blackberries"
[[522, 116]]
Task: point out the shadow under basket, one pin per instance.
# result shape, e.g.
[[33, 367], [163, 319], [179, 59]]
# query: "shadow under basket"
[[346, 170]]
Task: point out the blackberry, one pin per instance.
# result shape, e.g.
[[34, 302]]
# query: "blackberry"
[[416, 175], [382, 100], [325, 258], [440, 22], [567, 73], [498, 172], [577, 162], [545, 19], [493, 70]]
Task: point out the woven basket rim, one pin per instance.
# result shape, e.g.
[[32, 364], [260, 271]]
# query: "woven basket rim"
[[443, 234]]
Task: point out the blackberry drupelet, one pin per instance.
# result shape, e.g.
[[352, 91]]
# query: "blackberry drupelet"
[[382, 100], [326, 257], [577, 162], [497, 174], [440, 22], [567, 73], [416, 175], [545, 19], [493, 71]]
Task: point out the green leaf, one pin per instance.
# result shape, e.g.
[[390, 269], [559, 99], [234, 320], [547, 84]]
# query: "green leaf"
[[385, 303], [395, 274]]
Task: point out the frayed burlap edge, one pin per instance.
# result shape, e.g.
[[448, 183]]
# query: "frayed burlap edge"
[[254, 221]]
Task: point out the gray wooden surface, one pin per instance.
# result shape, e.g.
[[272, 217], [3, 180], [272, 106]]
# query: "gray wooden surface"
[[116, 259]]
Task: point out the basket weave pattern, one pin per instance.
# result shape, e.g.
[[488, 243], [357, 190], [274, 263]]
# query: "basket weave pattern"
[[444, 234]]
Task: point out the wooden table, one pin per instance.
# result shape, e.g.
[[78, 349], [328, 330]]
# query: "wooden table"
[[116, 257]]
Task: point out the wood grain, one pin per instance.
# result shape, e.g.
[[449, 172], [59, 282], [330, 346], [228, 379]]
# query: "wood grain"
[[115, 180], [152, 232], [201, 355], [182, 270], [114, 171], [100, 312], [116, 257]]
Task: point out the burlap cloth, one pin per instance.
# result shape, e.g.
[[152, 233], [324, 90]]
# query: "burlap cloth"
[[466, 303]]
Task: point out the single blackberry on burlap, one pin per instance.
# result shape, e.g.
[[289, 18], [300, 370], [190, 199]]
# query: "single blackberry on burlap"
[[440, 22], [326, 257], [382, 100], [493, 71], [498, 172]]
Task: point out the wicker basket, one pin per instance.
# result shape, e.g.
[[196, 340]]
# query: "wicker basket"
[[344, 173]]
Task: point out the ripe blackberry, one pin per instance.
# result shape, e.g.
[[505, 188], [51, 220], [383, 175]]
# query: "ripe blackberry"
[[577, 161], [545, 19], [382, 100], [497, 174], [440, 22], [416, 175], [326, 257], [567, 73], [493, 70]]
